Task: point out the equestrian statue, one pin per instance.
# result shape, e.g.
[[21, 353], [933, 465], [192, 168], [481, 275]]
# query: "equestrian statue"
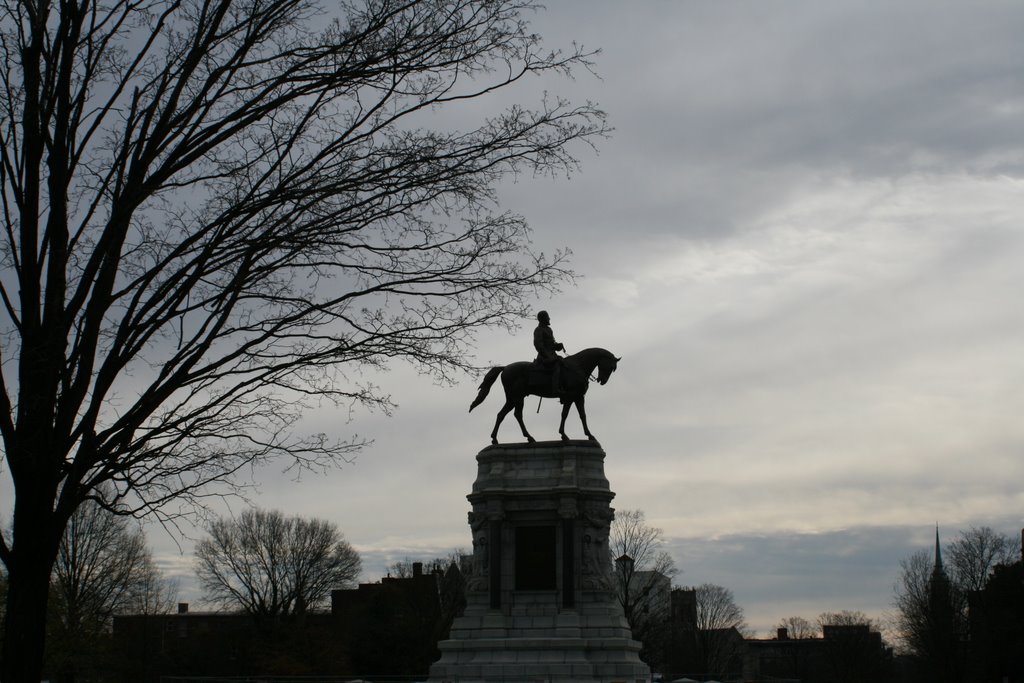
[[549, 376]]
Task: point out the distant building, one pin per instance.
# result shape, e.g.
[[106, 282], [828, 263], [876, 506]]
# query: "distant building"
[[844, 654], [219, 644], [649, 600], [392, 627], [388, 627], [996, 626], [650, 592], [693, 652]]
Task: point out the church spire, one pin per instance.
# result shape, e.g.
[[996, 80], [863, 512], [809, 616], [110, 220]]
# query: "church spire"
[[938, 551]]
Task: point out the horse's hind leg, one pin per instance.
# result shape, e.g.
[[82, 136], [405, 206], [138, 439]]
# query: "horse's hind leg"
[[501, 416], [519, 416]]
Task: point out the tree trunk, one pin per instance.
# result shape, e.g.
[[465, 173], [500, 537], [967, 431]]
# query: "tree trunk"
[[28, 591], [26, 624]]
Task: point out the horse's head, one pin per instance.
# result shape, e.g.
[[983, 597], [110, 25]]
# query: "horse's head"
[[605, 367]]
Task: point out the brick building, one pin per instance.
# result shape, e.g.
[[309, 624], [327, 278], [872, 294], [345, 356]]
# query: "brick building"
[[389, 627]]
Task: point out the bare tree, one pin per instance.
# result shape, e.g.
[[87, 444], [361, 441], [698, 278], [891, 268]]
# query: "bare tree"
[[643, 580], [911, 599], [846, 617], [103, 567], [930, 615], [153, 592], [931, 597], [973, 555], [274, 567], [211, 208], [797, 628], [795, 662], [933, 587], [717, 609], [631, 537], [721, 628], [403, 569]]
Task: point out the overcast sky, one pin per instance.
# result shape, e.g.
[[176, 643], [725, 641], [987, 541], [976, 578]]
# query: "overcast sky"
[[805, 238]]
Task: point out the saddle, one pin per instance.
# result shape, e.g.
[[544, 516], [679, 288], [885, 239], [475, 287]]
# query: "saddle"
[[540, 378]]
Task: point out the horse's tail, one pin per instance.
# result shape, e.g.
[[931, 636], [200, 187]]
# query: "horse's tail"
[[485, 386]]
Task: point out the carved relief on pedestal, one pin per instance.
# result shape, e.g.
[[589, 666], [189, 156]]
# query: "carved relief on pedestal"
[[479, 523], [596, 558], [477, 580]]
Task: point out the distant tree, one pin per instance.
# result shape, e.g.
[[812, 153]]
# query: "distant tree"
[[274, 567], [643, 581], [153, 594], [932, 594], [845, 617], [403, 569], [717, 609], [721, 628], [974, 553], [103, 568], [794, 662], [212, 208], [931, 616], [797, 628]]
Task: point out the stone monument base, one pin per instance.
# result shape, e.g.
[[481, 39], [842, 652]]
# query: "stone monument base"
[[539, 601]]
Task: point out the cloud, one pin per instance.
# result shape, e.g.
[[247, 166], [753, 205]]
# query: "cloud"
[[777, 575], [812, 356]]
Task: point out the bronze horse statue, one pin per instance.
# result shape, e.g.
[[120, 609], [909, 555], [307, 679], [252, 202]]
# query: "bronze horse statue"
[[523, 379]]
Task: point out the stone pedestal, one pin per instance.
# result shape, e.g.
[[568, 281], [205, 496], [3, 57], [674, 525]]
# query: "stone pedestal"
[[539, 600]]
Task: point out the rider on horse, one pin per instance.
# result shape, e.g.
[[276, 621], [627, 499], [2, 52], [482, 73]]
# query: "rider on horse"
[[547, 358]]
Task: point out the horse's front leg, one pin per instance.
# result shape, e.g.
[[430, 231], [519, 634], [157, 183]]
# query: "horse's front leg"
[[561, 426], [519, 416], [583, 418], [501, 416]]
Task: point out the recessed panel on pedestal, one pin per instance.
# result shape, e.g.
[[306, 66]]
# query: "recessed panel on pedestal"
[[535, 558]]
